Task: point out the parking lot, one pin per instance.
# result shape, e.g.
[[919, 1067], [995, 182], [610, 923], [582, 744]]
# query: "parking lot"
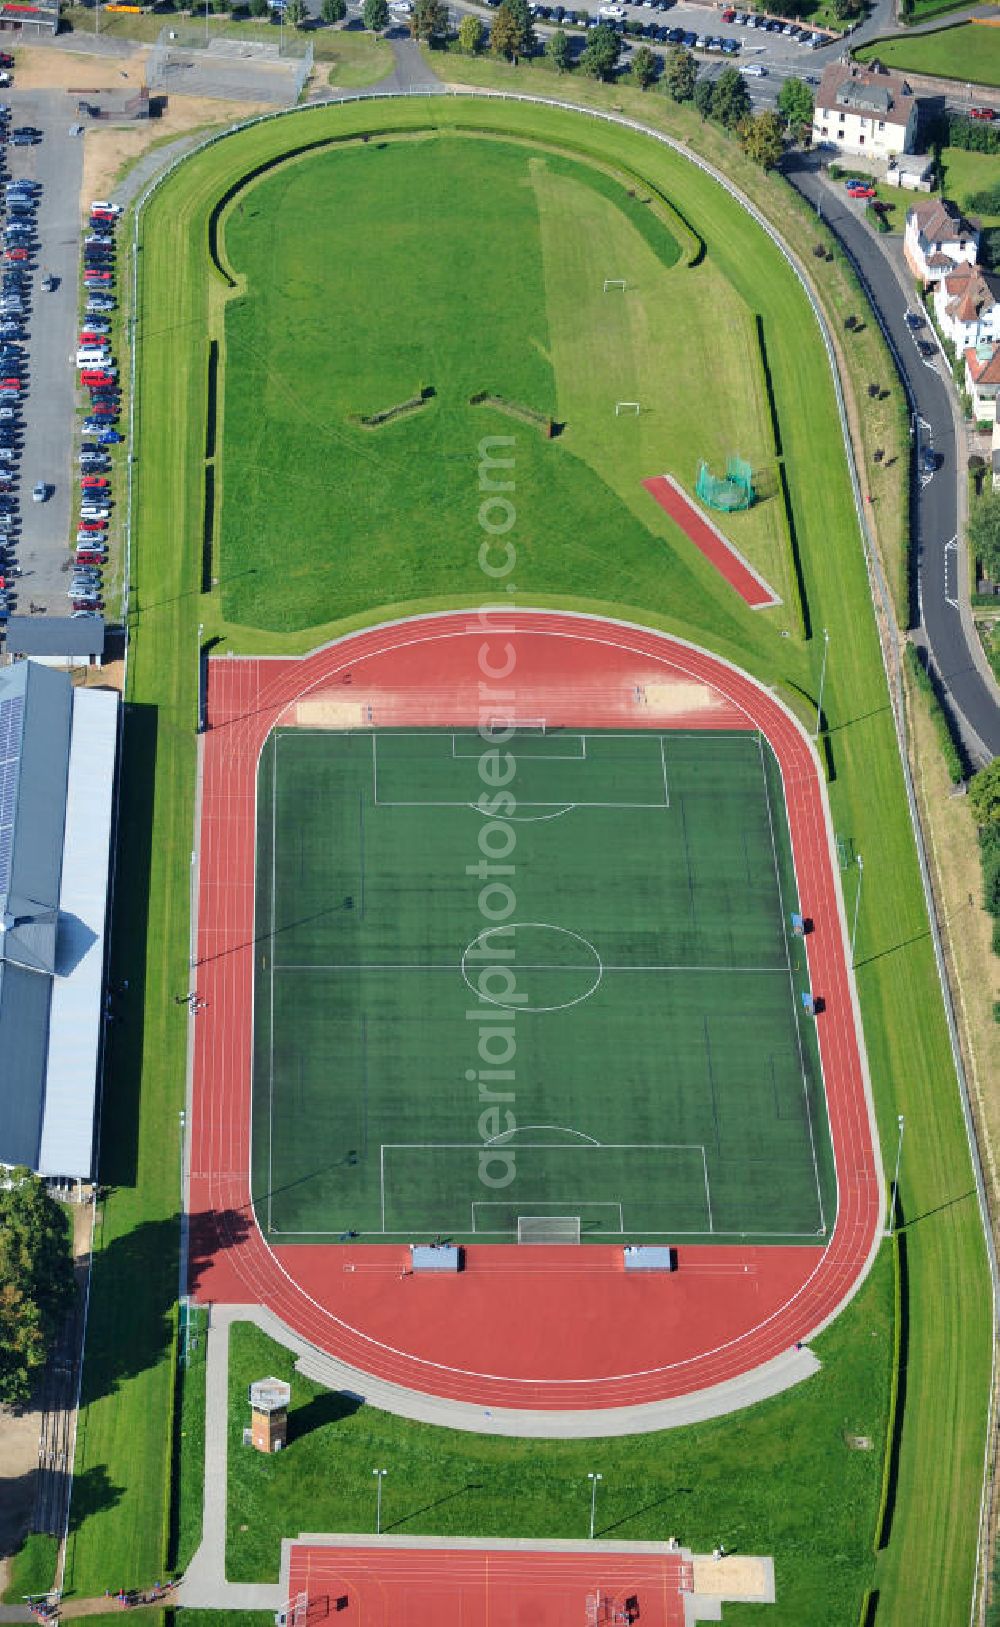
[[56, 163]]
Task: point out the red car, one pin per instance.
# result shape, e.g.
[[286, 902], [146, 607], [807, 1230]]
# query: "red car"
[[10, 384], [98, 340], [861, 192], [92, 526], [93, 483], [89, 556], [987, 113], [98, 381], [15, 256]]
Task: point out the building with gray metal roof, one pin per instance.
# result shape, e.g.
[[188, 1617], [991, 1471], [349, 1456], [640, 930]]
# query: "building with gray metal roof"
[[57, 763], [57, 640]]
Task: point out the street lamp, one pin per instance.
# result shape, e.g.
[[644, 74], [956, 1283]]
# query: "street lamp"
[[895, 1179], [380, 1475], [822, 682], [593, 1478], [857, 906]]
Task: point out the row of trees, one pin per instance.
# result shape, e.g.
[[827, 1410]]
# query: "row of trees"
[[36, 1281]]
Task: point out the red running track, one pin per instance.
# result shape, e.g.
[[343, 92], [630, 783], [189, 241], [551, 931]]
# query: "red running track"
[[520, 1327], [418, 1587], [710, 542]]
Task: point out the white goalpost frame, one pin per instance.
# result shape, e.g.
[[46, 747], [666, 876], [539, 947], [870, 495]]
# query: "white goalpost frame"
[[294, 1612], [615, 282], [500, 725], [626, 406]]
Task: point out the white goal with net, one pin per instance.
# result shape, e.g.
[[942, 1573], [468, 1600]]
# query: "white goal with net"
[[617, 284], [294, 1613], [626, 409], [548, 1228], [507, 726]]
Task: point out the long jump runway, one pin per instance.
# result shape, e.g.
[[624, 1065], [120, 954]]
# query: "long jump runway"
[[536, 1328]]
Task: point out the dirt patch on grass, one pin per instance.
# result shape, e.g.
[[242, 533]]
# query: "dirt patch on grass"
[[108, 147], [39, 69]]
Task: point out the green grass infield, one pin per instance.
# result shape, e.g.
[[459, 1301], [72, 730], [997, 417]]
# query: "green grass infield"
[[651, 947]]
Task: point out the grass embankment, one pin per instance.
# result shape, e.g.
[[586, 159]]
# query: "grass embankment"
[[969, 51], [947, 1362], [121, 1495], [734, 1481], [357, 57]]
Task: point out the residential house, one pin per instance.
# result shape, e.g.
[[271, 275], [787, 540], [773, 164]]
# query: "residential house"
[[937, 240], [982, 380], [967, 307], [865, 110]]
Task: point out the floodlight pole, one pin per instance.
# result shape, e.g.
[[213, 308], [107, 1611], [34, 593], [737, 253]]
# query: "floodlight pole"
[[895, 1179], [593, 1478], [380, 1475], [822, 684], [857, 906]]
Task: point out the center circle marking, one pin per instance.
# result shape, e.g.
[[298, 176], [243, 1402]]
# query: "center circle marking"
[[503, 934]]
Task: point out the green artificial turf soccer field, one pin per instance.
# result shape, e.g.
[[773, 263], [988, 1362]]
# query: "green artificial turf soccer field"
[[641, 1000]]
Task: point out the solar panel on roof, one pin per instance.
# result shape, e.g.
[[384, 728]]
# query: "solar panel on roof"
[[11, 721]]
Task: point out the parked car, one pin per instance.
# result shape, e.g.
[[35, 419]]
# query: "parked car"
[[986, 113], [39, 492], [929, 460]]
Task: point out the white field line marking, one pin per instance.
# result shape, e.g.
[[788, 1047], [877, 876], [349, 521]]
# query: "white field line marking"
[[708, 1190], [663, 761]]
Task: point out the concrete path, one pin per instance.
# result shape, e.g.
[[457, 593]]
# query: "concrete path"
[[204, 1583]]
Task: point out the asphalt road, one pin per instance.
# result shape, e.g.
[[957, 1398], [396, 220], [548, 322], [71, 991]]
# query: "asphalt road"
[[49, 407], [934, 508]]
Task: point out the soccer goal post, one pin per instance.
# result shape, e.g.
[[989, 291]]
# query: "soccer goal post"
[[626, 408], [293, 1613], [548, 1228], [505, 727], [618, 284]]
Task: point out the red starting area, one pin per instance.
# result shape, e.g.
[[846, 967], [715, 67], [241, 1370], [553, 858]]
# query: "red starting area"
[[393, 1587], [540, 1327]]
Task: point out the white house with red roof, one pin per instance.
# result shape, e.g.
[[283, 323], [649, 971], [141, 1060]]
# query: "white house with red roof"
[[967, 307], [937, 240], [982, 380]]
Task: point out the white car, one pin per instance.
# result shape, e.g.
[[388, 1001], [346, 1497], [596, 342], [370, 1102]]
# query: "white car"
[[39, 492], [105, 207]]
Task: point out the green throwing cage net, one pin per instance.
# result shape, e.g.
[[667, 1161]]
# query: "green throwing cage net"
[[731, 491]]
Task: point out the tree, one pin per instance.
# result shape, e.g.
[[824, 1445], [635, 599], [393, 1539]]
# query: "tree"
[[36, 1282], [522, 16], [259, 8], [375, 14], [507, 39], [704, 97], [680, 73], [644, 67], [795, 103], [761, 138], [557, 50], [846, 10], [333, 11], [731, 100], [295, 13], [984, 533], [984, 794], [429, 21], [470, 34], [601, 53]]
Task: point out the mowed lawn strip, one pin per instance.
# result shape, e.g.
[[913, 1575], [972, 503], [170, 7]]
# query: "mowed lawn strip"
[[969, 51], [742, 1481], [907, 1039], [121, 1491]]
